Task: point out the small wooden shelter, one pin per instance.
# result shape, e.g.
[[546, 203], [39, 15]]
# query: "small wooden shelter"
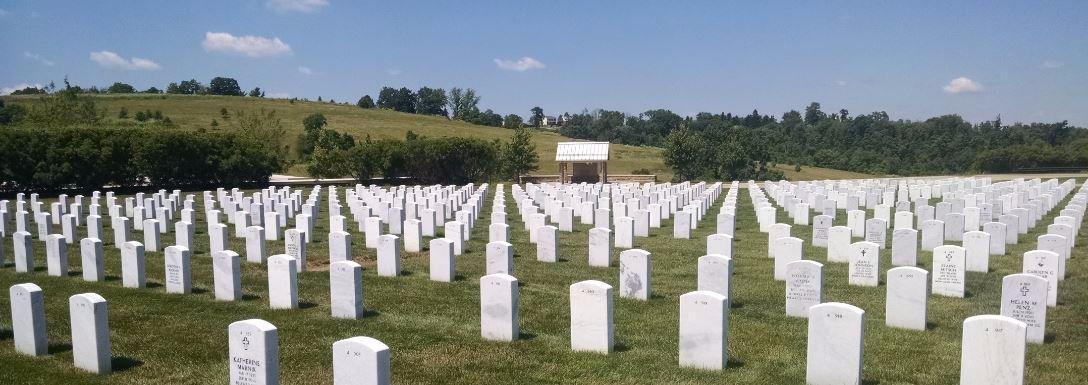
[[582, 162]]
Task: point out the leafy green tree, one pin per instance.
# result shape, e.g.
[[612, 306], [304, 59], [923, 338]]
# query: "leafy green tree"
[[537, 116], [813, 114], [121, 88], [512, 121], [153, 90], [431, 101], [225, 87], [365, 102], [463, 103], [387, 98], [519, 157], [186, 87], [486, 118], [256, 93], [30, 91]]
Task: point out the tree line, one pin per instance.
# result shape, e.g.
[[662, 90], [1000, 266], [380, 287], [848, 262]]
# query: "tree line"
[[727, 146], [219, 85], [445, 160]]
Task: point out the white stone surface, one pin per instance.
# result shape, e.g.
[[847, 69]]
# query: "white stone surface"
[[600, 247], [715, 273], [133, 274], [838, 244], [360, 361], [836, 335], [294, 242], [625, 232], [720, 244], [255, 244], [997, 233], [949, 271], [1044, 264], [227, 274], [904, 247], [992, 351], [346, 289], [591, 327], [389, 251], [441, 260], [90, 333], [28, 319], [704, 330], [499, 307], [864, 269], [178, 274], [804, 287], [282, 282], [977, 246], [635, 271], [499, 258], [254, 352], [907, 299], [547, 244], [786, 250], [91, 263], [1023, 298], [681, 225], [339, 246], [56, 255]]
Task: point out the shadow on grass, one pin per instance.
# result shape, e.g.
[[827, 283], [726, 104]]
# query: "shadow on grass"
[[527, 336], [59, 347], [406, 273], [459, 277], [122, 363], [1048, 337], [931, 326], [6, 334], [734, 363], [250, 297], [306, 305], [620, 346], [199, 290], [110, 278], [152, 285], [870, 382], [736, 305]]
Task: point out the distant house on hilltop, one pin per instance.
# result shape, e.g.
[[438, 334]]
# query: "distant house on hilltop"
[[550, 121]]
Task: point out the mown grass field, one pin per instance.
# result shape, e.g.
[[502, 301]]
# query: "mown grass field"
[[433, 328]]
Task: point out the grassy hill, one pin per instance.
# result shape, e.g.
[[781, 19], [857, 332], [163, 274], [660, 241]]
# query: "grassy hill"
[[191, 112]]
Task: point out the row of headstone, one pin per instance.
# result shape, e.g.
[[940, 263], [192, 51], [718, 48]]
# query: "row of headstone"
[[254, 357]]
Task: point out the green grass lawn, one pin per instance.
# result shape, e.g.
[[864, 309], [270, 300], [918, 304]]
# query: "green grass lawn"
[[433, 328]]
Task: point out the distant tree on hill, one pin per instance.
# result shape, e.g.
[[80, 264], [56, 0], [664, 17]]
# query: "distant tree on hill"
[[486, 118], [431, 101], [512, 121], [121, 88], [152, 90], [225, 87], [519, 156], [30, 91], [537, 117], [464, 103], [256, 93], [365, 102], [813, 114], [186, 87]]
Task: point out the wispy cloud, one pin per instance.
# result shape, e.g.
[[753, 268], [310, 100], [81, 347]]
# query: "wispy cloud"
[[305, 70], [38, 58], [305, 6], [521, 65], [393, 72], [840, 83], [9, 90], [252, 46], [278, 95], [110, 60], [962, 85], [1051, 64]]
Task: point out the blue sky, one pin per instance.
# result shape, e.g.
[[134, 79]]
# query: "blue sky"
[[1027, 61]]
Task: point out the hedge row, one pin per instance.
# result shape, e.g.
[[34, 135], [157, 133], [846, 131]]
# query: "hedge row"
[[35, 159]]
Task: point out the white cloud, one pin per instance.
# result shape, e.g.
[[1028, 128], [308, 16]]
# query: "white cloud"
[[107, 59], [38, 58], [278, 95], [306, 6], [840, 83], [252, 46], [962, 85], [9, 90], [524, 64], [305, 70], [393, 72], [1051, 64]]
